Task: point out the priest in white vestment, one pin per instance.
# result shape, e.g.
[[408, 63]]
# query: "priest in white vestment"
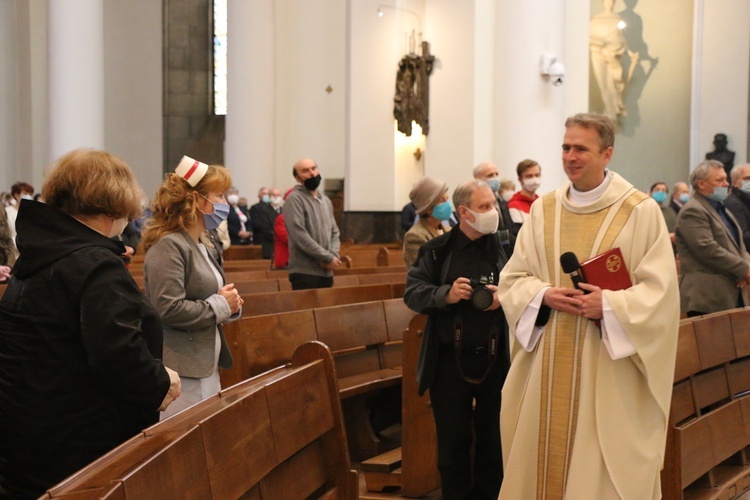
[[586, 402]]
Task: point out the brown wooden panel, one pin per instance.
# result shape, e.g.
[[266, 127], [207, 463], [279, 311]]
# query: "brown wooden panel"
[[353, 363], [745, 405], [374, 279], [739, 376], [257, 304], [270, 340], [391, 354], [352, 325], [683, 406], [397, 318], [284, 286], [277, 274], [397, 290], [298, 477], [253, 494], [688, 361], [300, 409], [242, 252], [246, 265], [240, 276], [239, 445], [710, 387], [740, 320], [713, 335], [693, 445], [727, 431], [327, 297], [346, 280], [178, 467], [363, 257], [256, 286]]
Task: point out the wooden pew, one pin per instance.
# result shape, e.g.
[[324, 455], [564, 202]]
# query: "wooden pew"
[[275, 302], [413, 467], [366, 341], [242, 252], [278, 435], [709, 428], [391, 257]]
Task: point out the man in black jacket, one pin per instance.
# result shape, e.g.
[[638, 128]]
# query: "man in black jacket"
[[463, 357], [262, 217], [738, 201]]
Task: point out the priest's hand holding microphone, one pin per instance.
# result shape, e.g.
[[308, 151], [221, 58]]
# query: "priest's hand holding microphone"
[[584, 300]]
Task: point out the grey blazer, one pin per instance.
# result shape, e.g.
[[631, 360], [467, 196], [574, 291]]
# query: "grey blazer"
[[182, 287], [711, 261]]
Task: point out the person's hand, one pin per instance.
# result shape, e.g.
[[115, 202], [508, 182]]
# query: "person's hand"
[[563, 299], [4, 273], [244, 234], [234, 300], [129, 251], [336, 262], [495, 300], [460, 290], [175, 388], [745, 280], [591, 303]]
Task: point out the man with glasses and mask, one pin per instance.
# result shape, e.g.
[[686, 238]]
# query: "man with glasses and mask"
[[463, 357], [312, 230]]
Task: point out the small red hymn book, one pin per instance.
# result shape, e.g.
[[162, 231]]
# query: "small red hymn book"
[[607, 271]]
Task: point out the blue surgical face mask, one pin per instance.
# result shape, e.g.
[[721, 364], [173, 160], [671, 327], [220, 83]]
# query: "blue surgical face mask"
[[659, 196], [745, 187], [720, 194], [442, 211], [219, 215], [266, 198], [684, 198], [494, 184]]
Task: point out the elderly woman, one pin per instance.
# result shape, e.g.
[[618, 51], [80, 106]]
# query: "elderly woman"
[[430, 197], [184, 282], [80, 345]]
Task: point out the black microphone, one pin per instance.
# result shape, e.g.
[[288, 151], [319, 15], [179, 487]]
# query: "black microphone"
[[570, 265]]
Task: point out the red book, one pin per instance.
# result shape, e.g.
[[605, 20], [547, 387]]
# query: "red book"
[[607, 271]]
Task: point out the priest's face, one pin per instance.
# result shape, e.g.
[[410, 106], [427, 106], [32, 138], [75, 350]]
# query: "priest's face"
[[584, 160]]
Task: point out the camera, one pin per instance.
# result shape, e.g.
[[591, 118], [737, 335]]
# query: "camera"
[[481, 296]]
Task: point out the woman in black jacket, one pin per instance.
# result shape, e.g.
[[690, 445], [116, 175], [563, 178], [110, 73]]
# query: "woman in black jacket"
[[80, 346]]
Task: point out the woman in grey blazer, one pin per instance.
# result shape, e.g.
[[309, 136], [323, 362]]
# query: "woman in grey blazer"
[[184, 282]]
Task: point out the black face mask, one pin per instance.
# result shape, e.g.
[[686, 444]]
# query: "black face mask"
[[312, 183]]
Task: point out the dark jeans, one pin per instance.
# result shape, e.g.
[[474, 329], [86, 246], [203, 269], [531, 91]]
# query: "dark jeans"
[[459, 408], [309, 281]]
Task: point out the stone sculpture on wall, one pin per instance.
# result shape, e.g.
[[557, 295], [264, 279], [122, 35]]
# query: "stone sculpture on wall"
[[607, 45], [412, 100]]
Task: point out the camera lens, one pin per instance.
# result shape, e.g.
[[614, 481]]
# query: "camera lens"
[[481, 298]]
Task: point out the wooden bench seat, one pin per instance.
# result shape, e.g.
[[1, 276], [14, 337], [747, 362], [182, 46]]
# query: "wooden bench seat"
[[277, 435], [366, 341], [709, 434]]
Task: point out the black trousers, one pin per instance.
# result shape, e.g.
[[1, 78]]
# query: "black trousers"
[[308, 281], [462, 409]]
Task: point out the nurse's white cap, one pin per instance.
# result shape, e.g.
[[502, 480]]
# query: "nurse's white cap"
[[191, 170]]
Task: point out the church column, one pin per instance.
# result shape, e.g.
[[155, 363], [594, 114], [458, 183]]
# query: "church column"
[[249, 147], [530, 111], [76, 75]]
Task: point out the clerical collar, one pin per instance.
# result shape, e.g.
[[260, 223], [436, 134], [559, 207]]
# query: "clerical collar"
[[585, 198]]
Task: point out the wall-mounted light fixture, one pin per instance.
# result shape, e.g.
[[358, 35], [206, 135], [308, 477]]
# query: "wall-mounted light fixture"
[[551, 69]]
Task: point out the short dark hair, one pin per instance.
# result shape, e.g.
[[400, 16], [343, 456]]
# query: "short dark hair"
[[20, 187], [660, 183], [602, 124], [524, 166]]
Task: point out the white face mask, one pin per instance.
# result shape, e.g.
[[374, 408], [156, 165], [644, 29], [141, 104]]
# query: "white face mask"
[[27, 197], [118, 226], [484, 222], [506, 195], [532, 183], [233, 199], [277, 201]]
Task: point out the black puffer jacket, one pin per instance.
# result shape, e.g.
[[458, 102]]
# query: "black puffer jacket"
[[79, 353]]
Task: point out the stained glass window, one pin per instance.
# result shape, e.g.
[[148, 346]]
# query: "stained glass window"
[[220, 57]]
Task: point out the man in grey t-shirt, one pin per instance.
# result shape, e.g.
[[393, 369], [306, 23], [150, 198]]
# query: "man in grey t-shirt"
[[313, 233]]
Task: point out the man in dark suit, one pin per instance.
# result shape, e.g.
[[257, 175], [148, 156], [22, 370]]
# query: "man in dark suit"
[[715, 265], [262, 217], [738, 201]]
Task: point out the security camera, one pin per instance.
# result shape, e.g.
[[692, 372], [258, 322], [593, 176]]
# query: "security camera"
[[552, 69], [557, 74]]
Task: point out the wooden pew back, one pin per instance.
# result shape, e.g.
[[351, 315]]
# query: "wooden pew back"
[[278, 435]]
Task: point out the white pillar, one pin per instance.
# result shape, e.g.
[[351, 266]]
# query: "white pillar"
[[249, 147], [76, 75], [529, 111]]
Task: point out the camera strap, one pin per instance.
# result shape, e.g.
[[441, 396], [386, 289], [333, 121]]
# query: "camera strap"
[[492, 341]]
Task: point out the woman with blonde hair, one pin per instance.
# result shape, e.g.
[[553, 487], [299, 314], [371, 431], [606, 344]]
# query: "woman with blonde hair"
[[185, 283], [80, 344]]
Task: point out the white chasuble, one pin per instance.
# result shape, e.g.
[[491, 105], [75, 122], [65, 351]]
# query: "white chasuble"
[[576, 424]]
